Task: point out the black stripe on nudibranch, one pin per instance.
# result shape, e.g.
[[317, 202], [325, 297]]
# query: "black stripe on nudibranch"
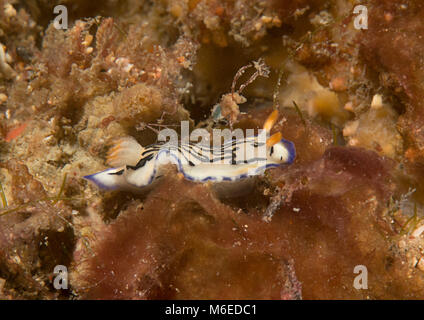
[[251, 160], [117, 173], [151, 149], [201, 158], [234, 156], [141, 163], [256, 144]]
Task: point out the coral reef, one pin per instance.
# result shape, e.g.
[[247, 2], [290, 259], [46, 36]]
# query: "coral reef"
[[350, 100]]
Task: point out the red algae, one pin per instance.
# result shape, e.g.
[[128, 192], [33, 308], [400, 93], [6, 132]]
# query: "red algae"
[[178, 240]]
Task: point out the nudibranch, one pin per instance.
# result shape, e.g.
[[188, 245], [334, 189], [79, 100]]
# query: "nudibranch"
[[135, 166]]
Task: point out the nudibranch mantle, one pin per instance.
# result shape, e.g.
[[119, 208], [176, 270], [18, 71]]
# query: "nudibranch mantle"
[[135, 166]]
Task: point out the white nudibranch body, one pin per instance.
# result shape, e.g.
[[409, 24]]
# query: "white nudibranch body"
[[137, 167]]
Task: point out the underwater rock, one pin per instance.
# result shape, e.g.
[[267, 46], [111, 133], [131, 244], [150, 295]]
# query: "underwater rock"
[[177, 241], [392, 49], [34, 237]]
